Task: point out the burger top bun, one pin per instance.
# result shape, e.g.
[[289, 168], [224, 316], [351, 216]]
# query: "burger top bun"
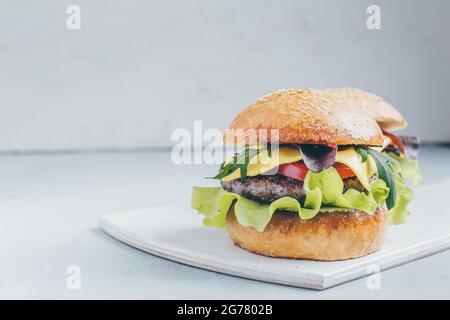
[[306, 116], [383, 112]]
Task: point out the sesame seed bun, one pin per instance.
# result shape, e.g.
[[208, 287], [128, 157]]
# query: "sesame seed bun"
[[328, 236], [306, 116], [383, 112]]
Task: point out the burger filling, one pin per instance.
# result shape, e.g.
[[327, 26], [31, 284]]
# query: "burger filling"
[[310, 178]]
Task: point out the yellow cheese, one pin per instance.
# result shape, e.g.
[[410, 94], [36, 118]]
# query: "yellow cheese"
[[363, 170], [263, 163]]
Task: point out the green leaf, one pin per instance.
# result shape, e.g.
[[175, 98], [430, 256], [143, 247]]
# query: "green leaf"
[[379, 191], [226, 170], [363, 153], [409, 169], [400, 212], [243, 167], [239, 162], [204, 199], [331, 186], [328, 181], [386, 173]]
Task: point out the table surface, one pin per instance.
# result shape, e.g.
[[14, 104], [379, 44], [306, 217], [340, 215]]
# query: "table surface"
[[50, 206]]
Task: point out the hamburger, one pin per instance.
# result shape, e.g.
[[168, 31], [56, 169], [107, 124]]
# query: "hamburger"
[[319, 175]]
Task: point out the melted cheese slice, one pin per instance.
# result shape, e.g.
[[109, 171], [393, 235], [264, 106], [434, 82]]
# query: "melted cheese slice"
[[363, 170], [263, 163]]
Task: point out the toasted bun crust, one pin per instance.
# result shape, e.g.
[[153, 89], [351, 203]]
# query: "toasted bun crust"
[[306, 116], [383, 112], [328, 236]]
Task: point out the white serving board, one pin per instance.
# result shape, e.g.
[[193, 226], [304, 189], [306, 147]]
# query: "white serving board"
[[176, 233]]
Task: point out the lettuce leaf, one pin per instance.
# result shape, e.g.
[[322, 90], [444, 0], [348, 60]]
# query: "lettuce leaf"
[[213, 203], [332, 188], [379, 191], [409, 169], [248, 213], [324, 192], [405, 170], [399, 213]]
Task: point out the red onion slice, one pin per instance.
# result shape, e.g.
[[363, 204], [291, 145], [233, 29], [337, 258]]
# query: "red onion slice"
[[411, 144], [318, 157]]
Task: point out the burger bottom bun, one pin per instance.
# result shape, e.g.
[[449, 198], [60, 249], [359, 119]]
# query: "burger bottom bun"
[[328, 236]]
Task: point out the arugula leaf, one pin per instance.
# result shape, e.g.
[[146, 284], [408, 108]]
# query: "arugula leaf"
[[386, 172], [363, 153], [240, 161], [269, 150], [246, 161]]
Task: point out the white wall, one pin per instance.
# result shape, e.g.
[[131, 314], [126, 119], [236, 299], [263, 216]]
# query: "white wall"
[[139, 69]]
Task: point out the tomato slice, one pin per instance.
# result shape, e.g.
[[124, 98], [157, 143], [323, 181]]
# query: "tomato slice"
[[298, 170], [295, 170], [344, 171], [395, 140]]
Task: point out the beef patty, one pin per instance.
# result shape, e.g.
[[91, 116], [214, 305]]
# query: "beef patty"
[[268, 188]]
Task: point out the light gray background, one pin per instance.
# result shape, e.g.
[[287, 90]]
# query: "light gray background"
[[139, 69]]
